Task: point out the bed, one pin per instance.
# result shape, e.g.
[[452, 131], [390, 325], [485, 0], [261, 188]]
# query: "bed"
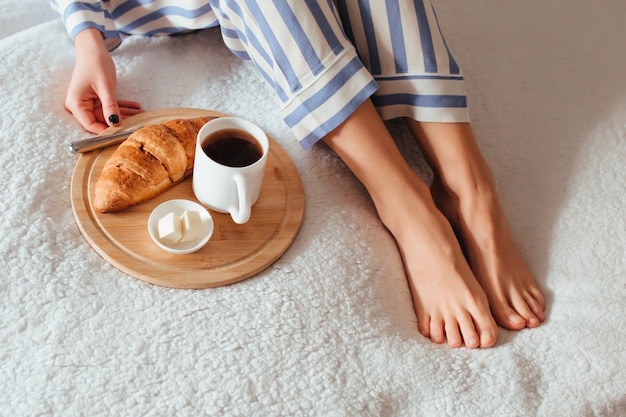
[[328, 329]]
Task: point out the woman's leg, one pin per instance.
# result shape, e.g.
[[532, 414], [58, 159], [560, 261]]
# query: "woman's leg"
[[448, 300], [464, 191]]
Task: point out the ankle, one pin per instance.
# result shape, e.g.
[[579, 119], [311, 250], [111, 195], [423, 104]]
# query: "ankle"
[[468, 182], [403, 206], [471, 205]]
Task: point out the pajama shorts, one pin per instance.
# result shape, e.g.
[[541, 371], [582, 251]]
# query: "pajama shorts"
[[323, 58]]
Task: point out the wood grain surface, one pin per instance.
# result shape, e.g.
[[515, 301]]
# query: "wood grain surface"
[[234, 253]]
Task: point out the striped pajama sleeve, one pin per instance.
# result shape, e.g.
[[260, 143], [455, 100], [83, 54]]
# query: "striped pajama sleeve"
[[323, 58], [137, 17], [80, 15]]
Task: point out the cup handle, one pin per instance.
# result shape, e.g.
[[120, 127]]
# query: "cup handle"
[[241, 214]]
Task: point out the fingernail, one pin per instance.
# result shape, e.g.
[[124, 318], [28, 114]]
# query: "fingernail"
[[114, 119]]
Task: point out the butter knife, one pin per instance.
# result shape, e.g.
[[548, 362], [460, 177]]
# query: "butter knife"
[[97, 142]]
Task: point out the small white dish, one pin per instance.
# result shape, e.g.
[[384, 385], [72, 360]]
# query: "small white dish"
[[178, 207]]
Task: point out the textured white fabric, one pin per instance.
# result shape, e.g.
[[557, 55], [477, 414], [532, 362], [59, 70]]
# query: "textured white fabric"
[[329, 329]]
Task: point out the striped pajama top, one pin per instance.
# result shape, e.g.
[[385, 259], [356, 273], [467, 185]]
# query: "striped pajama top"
[[323, 58]]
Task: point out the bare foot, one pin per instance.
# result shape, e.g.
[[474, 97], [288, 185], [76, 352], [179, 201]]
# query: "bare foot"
[[449, 302], [514, 297]]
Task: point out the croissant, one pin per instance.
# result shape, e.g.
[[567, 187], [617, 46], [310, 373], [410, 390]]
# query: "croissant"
[[150, 161]]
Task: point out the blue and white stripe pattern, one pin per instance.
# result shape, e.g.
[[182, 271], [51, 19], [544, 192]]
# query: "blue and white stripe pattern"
[[323, 58], [137, 17]]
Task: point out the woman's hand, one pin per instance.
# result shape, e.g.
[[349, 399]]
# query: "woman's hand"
[[91, 93]]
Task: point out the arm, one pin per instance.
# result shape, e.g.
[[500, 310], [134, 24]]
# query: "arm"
[[91, 94]]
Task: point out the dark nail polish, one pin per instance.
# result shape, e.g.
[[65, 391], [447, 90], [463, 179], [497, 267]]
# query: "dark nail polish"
[[114, 119]]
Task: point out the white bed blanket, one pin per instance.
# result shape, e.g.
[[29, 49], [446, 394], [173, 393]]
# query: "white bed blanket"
[[329, 329]]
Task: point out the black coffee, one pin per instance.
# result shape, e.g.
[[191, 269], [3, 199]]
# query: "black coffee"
[[233, 148]]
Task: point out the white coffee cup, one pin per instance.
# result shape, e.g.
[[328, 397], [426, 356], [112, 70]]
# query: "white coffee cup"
[[231, 154]]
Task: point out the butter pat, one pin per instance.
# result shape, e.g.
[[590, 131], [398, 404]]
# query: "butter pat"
[[175, 229], [170, 228], [180, 226], [191, 223]]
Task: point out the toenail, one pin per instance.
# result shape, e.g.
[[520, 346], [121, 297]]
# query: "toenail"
[[487, 338], [514, 318]]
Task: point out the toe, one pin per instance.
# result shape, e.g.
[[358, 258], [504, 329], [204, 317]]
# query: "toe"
[[536, 307], [488, 338], [453, 335], [487, 331], [468, 330], [437, 333], [524, 308], [423, 325], [486, 327], [537, 296], [507, 317]]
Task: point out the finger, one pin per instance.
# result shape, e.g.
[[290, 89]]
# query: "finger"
[[129, 104], [110, 109], [86, 118], [125, 112]]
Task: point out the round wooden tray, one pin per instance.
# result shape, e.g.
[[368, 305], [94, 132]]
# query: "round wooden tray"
[[234, 253]]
